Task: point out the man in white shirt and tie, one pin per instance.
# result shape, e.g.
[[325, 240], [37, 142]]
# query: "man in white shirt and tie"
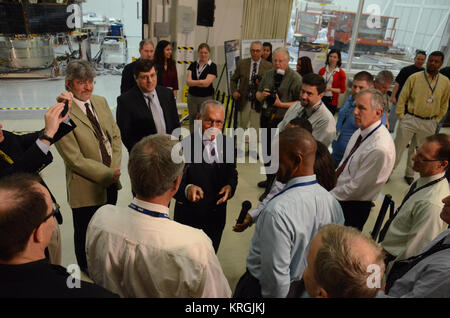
[[367, 162], [146, 109]]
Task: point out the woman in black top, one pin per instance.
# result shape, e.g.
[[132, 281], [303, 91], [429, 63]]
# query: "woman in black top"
[[201, 75]]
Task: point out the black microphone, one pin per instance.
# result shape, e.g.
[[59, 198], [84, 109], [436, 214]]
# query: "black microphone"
[[246, 206]]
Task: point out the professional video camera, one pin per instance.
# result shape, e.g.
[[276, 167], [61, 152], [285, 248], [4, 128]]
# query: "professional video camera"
[[277, 78], [269, 108]]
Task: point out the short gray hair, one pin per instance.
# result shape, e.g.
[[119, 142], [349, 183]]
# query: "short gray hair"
[[384, 76], [256, 42], [339, 267], [212, 103], [377, 99], [144, 42], [80, 69], [282, 50], [151, 168]]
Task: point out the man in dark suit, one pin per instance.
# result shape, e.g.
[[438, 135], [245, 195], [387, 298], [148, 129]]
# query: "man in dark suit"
[[146, 50], [146, 109], [30, 153], [210, 178]]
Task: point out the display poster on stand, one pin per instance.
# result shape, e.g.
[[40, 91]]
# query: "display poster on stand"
[[316, 52], [232, 56]]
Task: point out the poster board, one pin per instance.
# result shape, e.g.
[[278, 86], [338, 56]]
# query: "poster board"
[[316, 52], [245, 45], [232, 56]]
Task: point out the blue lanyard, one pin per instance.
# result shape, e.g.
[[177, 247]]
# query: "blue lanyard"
[[371, 132], [428, 82], [148, 212], [297, 185]]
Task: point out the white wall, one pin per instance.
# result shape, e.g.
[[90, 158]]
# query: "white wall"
[[227, 26]]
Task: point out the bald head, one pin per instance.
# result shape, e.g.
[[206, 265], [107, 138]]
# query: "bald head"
[[298, 140], [297, 152]]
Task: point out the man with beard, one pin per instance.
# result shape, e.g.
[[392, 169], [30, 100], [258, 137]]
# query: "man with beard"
[[427, 94], [312, 108]]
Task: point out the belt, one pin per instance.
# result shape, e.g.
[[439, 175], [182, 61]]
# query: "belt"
[[426, 118]]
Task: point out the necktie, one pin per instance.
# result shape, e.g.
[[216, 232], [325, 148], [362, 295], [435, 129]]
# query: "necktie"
[[342, 166], [212, 151], [400, 268], [156, 116], [106, 158], [253, 71]]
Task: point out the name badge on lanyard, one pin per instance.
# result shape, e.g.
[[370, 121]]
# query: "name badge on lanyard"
[[430, 100]]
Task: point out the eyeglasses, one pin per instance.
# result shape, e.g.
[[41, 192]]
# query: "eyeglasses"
[[422, 158], [84, 82], [146, 77], [255, 51], [211, 122], [54, 212]]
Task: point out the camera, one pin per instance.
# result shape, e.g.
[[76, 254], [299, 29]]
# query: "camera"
[[253, 87], [277, 78]]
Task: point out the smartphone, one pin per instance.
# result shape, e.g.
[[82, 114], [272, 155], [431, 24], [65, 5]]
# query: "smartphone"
[[65, 110]]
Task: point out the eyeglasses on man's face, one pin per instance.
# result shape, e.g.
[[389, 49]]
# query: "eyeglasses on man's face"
[[211, 122], [422, 158]]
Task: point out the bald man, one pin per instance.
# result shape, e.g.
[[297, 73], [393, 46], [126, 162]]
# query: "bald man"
[[283, 231], [343, 263]]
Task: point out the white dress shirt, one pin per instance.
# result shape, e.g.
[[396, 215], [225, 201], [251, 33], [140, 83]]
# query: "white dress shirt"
[[106, 141], [251, 68], [157, 112], [369, 166], [418, 222], [137, 255]]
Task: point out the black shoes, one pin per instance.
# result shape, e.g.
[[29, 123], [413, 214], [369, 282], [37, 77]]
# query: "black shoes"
[[408, 180], [262, 184]]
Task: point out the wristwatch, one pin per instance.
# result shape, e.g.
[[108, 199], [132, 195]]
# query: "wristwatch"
[[42, 135]]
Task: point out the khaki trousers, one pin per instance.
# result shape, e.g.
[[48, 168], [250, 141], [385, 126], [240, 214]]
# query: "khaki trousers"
[[415, 130]]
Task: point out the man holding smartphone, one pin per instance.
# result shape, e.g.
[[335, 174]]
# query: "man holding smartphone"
[[31, 153], [92, 152]]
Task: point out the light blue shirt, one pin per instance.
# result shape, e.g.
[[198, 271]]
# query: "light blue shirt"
[[429, 278], [284, 231]]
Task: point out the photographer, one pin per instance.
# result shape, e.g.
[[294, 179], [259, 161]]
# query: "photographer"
[[30, 153], [248, 74], [279, 89]]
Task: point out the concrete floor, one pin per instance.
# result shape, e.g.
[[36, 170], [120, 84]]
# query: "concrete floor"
[[234, 247]]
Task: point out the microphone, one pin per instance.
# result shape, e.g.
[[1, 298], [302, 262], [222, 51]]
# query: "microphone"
[[246, 206]]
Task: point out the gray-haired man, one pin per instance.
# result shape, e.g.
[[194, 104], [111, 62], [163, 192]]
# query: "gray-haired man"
[[367, 162], [138, 251], [210, 179], [92, 152]]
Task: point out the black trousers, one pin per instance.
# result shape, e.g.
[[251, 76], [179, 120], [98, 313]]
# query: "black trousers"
[[247, 287], [266, 123], [356, 212], [81, 218]]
